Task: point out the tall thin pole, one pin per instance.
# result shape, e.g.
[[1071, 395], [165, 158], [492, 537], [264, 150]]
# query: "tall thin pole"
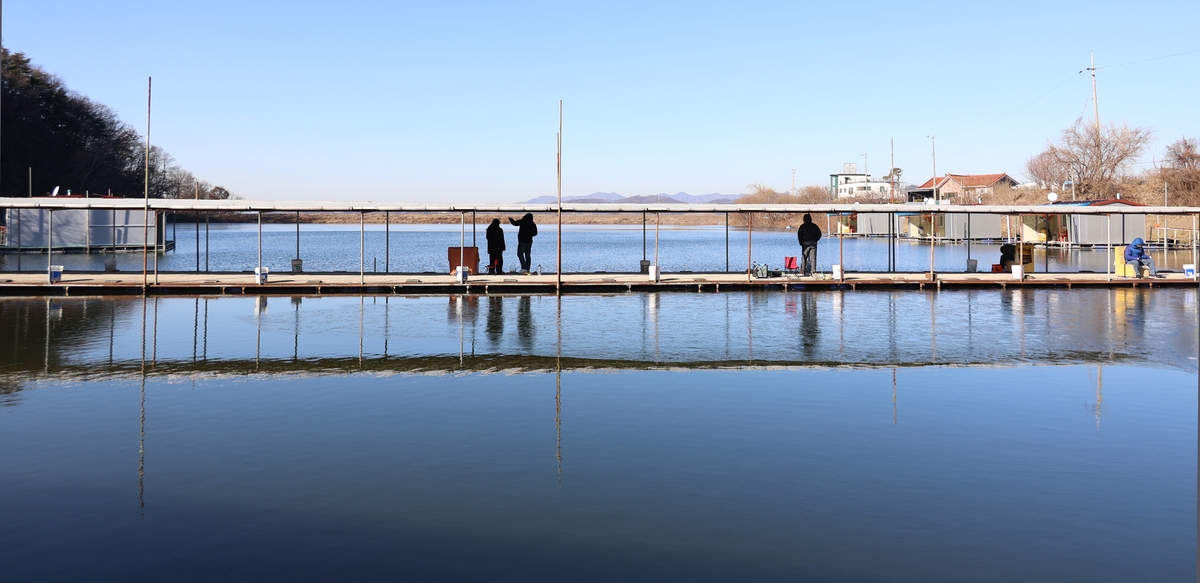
[[362, 248], [932, 232], [146, 193], [657, 222], [892, 172], [259, 242], [197, 217], [1194, 227], [750, 245], [1095, 97], [841, 236], [387, 242], [726, 242], [1108, 261], [558, 285], [933, 149], [50, 245]]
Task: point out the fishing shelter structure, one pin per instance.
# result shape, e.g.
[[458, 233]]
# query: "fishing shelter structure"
[[954, 222], [80, 230], [1054, 228], [962, 226], [864, 224]]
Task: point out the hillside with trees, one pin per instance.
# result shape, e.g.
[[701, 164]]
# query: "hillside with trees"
[[66, 140]]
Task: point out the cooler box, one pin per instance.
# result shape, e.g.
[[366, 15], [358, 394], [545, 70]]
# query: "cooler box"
[[470, 259], [55, 273]]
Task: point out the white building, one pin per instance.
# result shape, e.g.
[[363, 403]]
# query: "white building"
[[851, 184]]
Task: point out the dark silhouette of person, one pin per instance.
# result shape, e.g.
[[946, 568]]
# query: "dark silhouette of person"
[[1008, 256], [808, 234], [495, 247], [526, 231]]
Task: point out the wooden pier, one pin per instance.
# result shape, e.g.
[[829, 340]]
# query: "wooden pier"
[[188, 284]]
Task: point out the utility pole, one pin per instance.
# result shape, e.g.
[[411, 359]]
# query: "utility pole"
[[866, 169], [1095, 98], [892, 172], [933, 147]]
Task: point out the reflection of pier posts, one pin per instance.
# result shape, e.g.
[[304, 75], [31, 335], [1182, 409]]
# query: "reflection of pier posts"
[[558, 391]]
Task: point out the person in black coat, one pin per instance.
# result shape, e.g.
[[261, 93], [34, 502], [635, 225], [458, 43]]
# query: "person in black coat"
[[495, 247], [808, 234], [526, 231]]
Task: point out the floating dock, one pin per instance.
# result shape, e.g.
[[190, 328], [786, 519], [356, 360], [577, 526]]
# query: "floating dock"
[[188, 284]]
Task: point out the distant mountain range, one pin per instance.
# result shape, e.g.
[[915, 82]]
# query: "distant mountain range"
[[614, 198]]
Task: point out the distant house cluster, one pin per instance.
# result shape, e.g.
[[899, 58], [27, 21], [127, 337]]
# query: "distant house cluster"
[[959, 187], [965, 188]]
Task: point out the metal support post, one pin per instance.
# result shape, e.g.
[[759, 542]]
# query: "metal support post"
[[362, 247], [50, 245], [749, 246]]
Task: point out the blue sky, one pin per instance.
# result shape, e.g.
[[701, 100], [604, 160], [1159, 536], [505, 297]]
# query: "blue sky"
[[457, 101]]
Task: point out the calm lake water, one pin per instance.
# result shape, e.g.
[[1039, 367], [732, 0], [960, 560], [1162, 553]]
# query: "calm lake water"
[[975, 435], [586, 248]]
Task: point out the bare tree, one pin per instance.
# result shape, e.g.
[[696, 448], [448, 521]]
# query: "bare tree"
[[1181, 170], [1095, 158]]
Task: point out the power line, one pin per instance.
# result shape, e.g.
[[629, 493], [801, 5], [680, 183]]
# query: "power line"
[[1035, 100], [1151, 59]]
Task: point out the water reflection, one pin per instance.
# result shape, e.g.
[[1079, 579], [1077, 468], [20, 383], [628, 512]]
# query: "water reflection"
[[90, 336]]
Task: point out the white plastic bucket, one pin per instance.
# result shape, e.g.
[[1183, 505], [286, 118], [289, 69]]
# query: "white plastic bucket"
[[837, 272], [1189, 269], [972, 265], [460, 273], [654, 273], [56, 272], [260, 275], [1018, 271]]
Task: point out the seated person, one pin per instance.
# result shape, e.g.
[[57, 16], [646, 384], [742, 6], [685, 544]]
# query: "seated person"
[[1008, 256], [1136, 255]]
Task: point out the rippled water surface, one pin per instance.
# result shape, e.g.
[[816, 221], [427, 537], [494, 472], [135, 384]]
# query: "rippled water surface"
[[981, 435]]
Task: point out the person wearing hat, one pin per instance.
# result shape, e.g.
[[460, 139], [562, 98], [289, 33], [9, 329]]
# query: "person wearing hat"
[[1135, 255]]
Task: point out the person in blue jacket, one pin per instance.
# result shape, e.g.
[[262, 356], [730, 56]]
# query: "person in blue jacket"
[[1136, 255]]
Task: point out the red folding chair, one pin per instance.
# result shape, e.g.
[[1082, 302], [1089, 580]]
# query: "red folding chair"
[[790, 265]]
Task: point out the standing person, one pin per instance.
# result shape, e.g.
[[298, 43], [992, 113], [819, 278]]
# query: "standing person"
[[808, 234], [526, 231], [1136, 256], [495, 247]]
